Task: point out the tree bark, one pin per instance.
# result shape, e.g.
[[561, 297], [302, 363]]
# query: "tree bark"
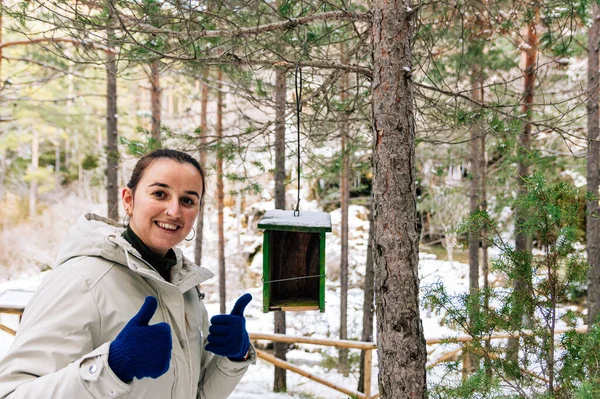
[[79, 167], [57, 165], [344, 202], [112, 135], [74, 133], [3, 151], [368, 302], [3, 155], [68, 151], [400, 340], [202, 161], [520, 284], [35, 163], [279, 379], [593, 165], [155, 103], [280, 95], [1, 26], [470, 360], [485, 269], [220, 195]]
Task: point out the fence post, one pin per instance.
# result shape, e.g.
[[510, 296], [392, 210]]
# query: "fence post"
[[368, 365]]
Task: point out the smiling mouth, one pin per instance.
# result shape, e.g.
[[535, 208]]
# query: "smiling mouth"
[[167, 226]]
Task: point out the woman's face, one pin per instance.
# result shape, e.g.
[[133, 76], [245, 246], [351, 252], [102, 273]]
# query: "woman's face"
[[165, 204]]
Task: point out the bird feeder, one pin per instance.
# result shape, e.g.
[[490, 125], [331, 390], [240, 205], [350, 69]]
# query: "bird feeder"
[[294, 260]]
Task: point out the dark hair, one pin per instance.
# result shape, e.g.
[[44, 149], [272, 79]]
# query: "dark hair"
[[149, 159]]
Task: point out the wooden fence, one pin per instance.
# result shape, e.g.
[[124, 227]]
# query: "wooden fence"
[[17, 311], [368, 347]]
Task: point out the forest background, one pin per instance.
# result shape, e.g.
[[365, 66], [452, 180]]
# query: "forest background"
[[468, 124]]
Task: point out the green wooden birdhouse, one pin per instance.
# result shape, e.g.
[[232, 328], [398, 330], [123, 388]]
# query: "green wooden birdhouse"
[[294, 260]]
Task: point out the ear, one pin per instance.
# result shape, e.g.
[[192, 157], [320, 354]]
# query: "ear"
[[127, 198]]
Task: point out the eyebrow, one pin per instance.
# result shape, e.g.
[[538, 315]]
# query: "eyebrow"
[[163, 185]]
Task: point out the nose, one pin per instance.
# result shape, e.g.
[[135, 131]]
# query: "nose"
[[173, 209]]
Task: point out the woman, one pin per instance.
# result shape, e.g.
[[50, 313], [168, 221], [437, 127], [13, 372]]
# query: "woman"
[[122, 316]]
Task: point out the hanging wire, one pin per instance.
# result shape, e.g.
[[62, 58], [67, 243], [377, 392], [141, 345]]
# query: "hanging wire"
[[298, 87], [292, 278]]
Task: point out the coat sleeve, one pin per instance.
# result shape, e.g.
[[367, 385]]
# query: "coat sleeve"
[[54, 354], [219, 376]]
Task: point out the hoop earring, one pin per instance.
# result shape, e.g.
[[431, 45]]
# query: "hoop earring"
[[194, 236], [125, 224]]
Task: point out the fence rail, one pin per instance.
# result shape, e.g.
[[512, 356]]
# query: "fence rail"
[[14, 311], [368, 347]]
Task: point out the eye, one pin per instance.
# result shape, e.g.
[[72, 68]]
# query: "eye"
[[159, 194], [187, 201]]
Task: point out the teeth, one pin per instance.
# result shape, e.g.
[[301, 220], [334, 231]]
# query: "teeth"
[[167, 226]]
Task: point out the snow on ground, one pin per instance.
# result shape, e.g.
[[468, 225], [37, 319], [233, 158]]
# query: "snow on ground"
[[244, 272], [259, 379]]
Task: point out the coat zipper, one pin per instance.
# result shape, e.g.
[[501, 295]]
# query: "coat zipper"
[[184, 333]]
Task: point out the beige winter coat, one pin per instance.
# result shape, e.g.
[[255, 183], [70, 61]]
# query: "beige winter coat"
[[61, 348]]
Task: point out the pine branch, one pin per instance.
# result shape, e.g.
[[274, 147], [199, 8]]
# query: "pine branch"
[[290, 23], [50, 67], [235, 60], [75, 42], [49, 100]]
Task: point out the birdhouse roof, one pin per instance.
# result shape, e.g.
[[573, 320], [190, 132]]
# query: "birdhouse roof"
[[307, 221]]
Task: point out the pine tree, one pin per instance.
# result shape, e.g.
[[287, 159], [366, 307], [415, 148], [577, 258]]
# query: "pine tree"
[[400, 340]]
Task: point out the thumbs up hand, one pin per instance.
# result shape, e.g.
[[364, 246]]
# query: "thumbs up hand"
[[141, 350], [227, 333]]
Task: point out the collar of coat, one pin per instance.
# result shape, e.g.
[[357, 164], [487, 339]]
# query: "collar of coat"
[[94, 235]]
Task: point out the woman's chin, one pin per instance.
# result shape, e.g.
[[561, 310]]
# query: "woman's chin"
[[162, 246]]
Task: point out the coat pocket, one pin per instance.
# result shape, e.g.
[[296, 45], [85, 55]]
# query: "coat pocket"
[[162, 387]]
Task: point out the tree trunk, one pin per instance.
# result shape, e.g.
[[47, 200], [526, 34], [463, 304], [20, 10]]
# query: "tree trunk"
[[202, 161], [1, 28], [75, 133], [35, 163], [68, 151], [112, 136], [79, 168], [155, 103], [279, 379], [471, 361], [400, 340], [280, 95], [3, 155], [344, 200], [520, 284], [220, 195], [238, 219], [57, 165], [368, 302], [593, 165], [485, 269]]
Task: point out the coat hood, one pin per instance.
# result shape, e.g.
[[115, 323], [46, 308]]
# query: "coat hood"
[[94, 235]]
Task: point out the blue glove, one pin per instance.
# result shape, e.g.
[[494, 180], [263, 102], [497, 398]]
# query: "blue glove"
[[141, 350], [227, 333]]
